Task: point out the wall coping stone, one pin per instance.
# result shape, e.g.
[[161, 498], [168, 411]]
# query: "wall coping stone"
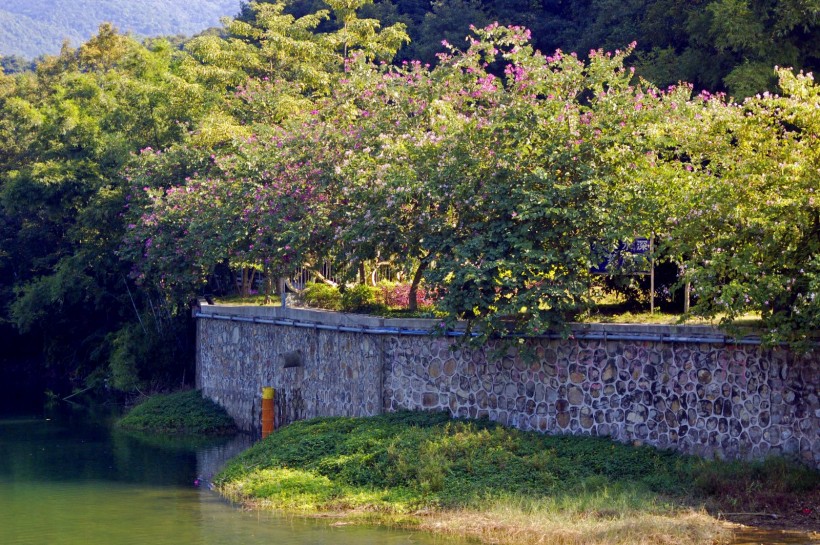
[[652, 332]]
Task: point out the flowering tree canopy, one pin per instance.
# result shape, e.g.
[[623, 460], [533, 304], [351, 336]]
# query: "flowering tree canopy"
[[745, 214], [499, 176]]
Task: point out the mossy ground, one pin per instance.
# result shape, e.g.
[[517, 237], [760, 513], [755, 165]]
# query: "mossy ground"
[[181, 413], [478, 479]]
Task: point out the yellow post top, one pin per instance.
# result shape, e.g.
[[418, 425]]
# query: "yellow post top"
[[267, 392]]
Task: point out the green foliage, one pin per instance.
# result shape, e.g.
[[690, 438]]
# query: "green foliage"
[[149, 355], [273, 187], [360, 298], [712, 43], [287, 140], [491, 189], [11, 64], [448, 20], [503, 191], [322, 296], [279, 64], [182, 412], [75, 123], [750, 239], [409, 460]]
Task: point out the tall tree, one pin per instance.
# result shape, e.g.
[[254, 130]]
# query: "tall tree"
[[75, 123]]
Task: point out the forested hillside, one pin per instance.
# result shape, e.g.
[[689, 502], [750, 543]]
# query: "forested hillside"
[[717, 45], [31, 28]]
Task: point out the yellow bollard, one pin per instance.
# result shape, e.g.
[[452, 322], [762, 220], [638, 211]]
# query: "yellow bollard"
[[267, 411]]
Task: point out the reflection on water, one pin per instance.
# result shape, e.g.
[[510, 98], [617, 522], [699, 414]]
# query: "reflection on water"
[[71, 481], [210, 460], [67, 482]]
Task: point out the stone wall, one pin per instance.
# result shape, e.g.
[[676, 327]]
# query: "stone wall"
[[702, 399], [692, 391], [339, 374]]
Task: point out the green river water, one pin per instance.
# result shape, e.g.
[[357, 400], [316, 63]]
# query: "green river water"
[[66, 481], [69, 479]]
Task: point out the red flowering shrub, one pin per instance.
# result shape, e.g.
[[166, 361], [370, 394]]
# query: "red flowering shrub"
[[397, 295]]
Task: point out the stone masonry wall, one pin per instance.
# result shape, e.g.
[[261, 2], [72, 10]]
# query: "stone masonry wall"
[[705, 398], [340, 374]]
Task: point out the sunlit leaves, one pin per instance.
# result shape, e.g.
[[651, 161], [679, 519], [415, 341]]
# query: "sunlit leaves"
[[495, 173], [746, 222]]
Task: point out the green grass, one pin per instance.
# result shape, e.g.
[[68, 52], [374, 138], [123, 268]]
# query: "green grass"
[[608, 310], [434, 461], [182, 412], [615, 309], [402, 464]]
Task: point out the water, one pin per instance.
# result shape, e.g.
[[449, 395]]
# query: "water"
[[70, 480], [65, 481]]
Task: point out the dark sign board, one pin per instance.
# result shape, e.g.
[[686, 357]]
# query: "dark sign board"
[[636, 252]]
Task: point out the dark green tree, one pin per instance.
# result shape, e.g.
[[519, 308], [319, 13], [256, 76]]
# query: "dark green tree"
[[68, 131]]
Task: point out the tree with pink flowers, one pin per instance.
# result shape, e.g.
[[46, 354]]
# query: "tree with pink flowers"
[[497, 176]]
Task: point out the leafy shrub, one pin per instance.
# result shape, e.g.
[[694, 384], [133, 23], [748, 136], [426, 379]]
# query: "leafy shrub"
[[360, 298], [322, 296], [438, 461], [181, 412], [148, 357]]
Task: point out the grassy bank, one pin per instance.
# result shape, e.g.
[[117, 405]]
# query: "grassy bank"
[[477, 479], [181, 413]]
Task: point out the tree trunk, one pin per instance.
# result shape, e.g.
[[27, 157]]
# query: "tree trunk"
[[317, 274], [412, 303], [243, 286], [268, 286], [248, 276]]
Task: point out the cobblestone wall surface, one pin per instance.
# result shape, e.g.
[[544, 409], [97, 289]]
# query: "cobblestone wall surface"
[[705, 399], [710, 399], [338, 374]]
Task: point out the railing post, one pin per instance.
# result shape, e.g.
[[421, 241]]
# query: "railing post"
[[267, 411]]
